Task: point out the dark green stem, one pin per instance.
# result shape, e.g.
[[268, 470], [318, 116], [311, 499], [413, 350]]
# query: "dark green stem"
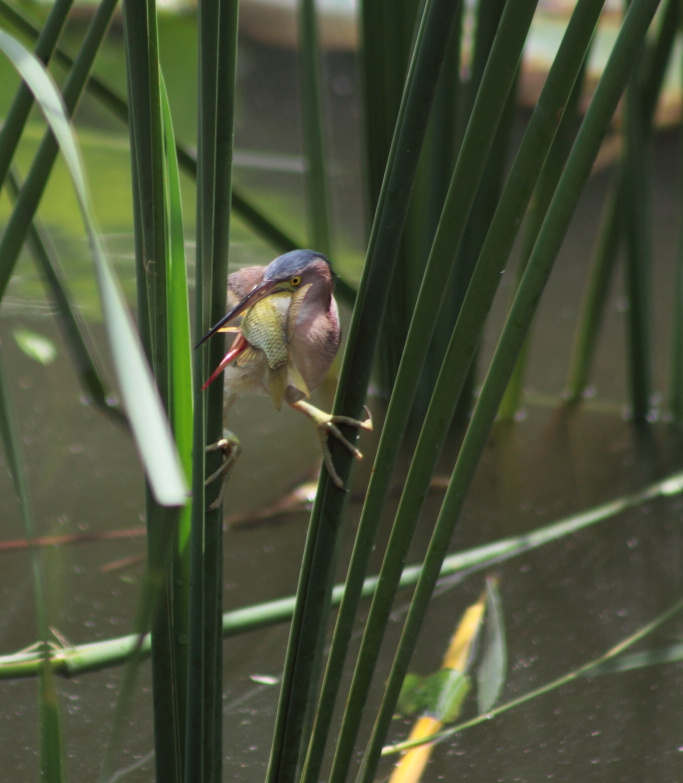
[[655, 64], [317, 572], [75, 331], [313, 129], [217, 60], [169, 663], [636, 216], [27, 203], [14, 122], [596, 122]]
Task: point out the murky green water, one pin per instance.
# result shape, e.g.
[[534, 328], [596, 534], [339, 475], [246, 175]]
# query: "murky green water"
[[564, 604]]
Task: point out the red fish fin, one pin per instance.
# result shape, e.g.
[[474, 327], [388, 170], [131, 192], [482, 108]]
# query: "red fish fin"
[[239, 345]]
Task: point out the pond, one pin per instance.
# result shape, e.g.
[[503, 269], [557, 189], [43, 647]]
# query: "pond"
[[564, 604]]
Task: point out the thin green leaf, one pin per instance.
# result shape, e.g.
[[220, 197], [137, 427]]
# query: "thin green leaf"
[[638, 242], [492, 670], [44, 159], [440, 695], [548, 687], [244, 207], [20, 227], [586, 147], [676, 362], [51, 739], [310, 620], [81, 659], [640, 660], [75, 330], [545, 188], [143, 407], [388, 33], [461, 194], [605, 253], [452, 688], [313, 130], [410, 699], [217, 29], [177, 577], [448, 687], [152, 171], [180, 347], [179, 341], [594, 300], [14, 122], [40, 349]]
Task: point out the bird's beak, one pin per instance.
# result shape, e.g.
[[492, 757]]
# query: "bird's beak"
[[255, 295]]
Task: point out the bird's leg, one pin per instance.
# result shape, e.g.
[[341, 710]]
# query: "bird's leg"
[[230, 448], [326, 423]]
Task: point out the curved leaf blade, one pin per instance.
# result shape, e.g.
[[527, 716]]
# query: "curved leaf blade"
[[491, 672], [140, 397]]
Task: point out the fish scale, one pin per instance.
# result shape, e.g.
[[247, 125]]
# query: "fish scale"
[[264, 326]]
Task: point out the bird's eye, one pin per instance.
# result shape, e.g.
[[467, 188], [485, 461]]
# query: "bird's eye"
[[295, 280]]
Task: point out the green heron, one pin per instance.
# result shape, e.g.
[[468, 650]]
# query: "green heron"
[[285, 343]]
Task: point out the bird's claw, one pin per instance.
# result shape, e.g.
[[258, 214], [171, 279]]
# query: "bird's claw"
[[323, 431], [230, 448], [330, 424], [325, 424], [361, 425]]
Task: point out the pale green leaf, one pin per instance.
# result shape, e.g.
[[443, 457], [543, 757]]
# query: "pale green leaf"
[[492, 670], [638, 660], [140, 397], [34, 345]]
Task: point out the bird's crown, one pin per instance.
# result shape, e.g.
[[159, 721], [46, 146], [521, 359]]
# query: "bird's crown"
[[292, 263]]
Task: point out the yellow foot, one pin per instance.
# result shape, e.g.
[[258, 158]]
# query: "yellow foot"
[[230, 448], [326, 423]]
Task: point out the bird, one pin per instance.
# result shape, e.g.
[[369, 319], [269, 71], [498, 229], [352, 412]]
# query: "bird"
[[284, 345]]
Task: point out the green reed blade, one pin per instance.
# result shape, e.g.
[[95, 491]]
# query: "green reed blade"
[[75, 331], [141, 402], [593, 129], [310, 619]]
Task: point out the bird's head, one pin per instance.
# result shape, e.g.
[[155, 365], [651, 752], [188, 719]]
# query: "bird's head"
[[298, 270]]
